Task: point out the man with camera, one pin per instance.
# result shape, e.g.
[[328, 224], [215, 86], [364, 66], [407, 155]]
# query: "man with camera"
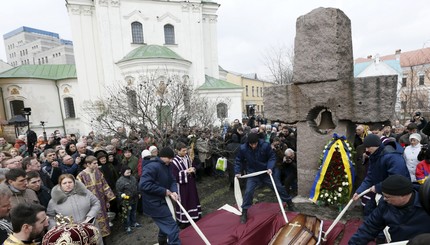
[[419, 120], [279, 148], [81, 152]]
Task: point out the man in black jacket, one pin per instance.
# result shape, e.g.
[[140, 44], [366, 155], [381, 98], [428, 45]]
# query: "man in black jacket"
[[34, 182]]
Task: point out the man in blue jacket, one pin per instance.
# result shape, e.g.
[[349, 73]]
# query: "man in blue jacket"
[[156, 183], [257, 155], [400, 209], [384, 160]]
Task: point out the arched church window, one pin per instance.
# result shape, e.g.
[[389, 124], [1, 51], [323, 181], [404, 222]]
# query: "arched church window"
[[132, 99], [16, 107], [137, 32], [69, 107], [169, 34]]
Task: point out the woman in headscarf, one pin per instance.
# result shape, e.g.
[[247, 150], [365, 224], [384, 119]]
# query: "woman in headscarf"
[[109, 172], [411, 154]]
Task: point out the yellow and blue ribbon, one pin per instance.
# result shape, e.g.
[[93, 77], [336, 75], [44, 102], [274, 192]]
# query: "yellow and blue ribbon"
[[328, 153]]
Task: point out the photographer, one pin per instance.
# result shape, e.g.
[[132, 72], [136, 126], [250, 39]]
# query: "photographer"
[[280, 169], [419, 120], [82, 151]]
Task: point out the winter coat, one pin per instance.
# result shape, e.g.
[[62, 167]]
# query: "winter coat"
[[411, 158], [422, 171], [202, 146], [157, 178], [80, 203], [52, 172], [109, 173], [26, 196], [6, 146], [142, 163], [385, 161], [18, 143], [232, 149], [5, 229], [44, 196], [69, 169], [405, 223], [128, 186], [262, 158]]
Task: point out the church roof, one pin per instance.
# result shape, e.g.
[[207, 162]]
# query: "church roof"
[[222, 69], [407, 59], [150, 52], [393, 64], [49, 72], [214, 83]]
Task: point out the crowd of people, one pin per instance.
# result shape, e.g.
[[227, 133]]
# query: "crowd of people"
[[392, 162], [89, 176]]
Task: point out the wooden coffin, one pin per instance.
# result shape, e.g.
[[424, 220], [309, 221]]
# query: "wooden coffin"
[[302, 230]]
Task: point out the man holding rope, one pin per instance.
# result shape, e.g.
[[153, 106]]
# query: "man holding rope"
[[400, 209], [258, 155], [156, 183]]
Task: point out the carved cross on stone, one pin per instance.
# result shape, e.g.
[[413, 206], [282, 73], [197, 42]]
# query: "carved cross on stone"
[[323, 79]]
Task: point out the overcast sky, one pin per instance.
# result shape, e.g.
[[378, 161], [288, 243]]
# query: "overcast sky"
[[248, 28]]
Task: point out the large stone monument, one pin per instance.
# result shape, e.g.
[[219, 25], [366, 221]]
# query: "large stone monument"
[[323, 80]]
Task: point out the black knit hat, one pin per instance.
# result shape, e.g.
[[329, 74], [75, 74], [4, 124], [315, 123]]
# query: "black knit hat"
[[397, 185], [167, 152], [124, 168], [252, 138], [372, 140]]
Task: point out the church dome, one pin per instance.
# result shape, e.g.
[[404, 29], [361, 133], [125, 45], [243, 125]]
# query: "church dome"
[[151, 52]]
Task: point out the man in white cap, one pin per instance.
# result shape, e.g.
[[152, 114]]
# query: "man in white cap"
[[154, 151]]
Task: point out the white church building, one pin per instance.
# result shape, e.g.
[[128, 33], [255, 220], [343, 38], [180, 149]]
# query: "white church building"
[[115, 41]]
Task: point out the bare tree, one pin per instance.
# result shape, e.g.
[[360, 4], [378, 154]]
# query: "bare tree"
[[280, 60], [151, 103]]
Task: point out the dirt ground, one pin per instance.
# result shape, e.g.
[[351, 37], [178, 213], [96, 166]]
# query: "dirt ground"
[[214, 192]]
